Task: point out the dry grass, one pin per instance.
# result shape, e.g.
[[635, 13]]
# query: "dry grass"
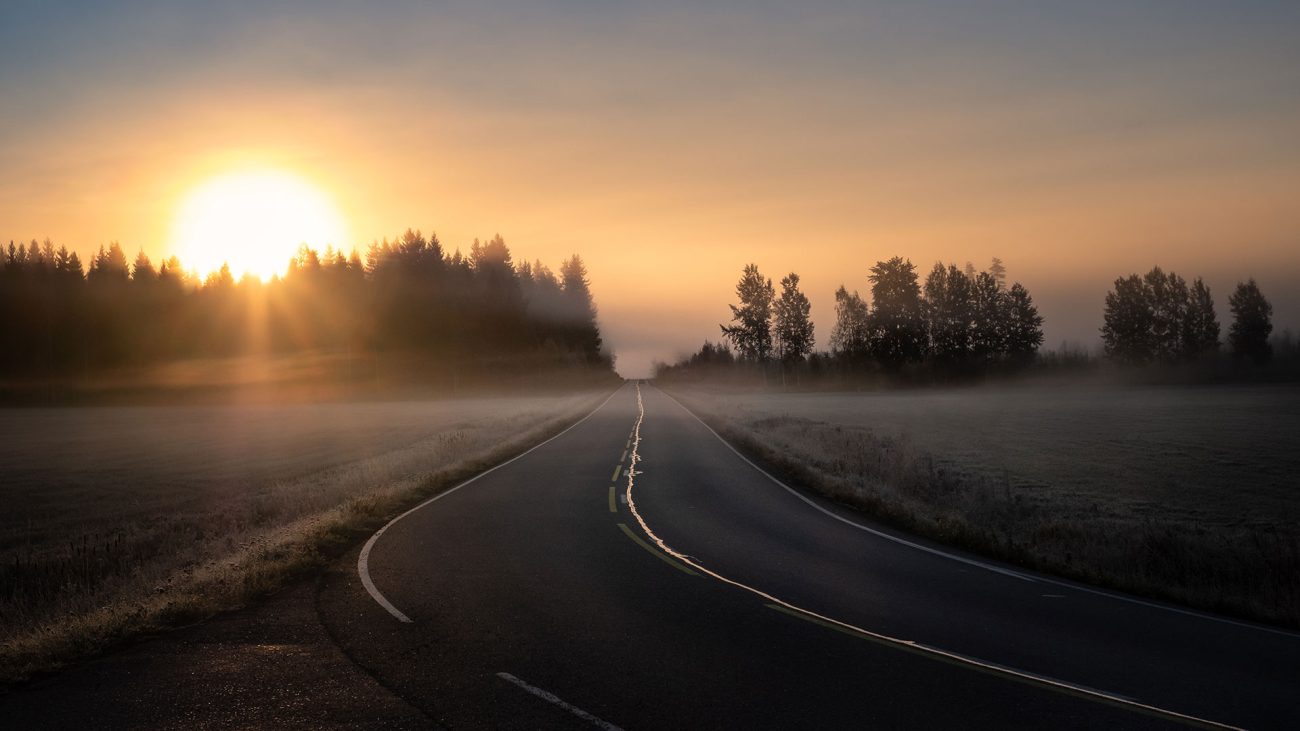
[[1187, 495], [125, 520]]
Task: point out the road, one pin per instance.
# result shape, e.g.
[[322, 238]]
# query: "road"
[[561, 590]]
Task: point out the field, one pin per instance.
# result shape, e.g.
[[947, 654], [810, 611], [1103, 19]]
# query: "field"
[[120, 519], [1185, 493]]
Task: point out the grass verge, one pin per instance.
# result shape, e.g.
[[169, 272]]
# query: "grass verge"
[[1246, 573], [262, 561]]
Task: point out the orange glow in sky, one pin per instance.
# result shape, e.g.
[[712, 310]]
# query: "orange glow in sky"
[[670, 146], [254, 221]]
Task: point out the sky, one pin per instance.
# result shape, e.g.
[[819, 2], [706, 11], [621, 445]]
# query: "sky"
[[672, 143]]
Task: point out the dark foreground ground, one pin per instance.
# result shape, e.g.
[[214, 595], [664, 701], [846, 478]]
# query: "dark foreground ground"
[[271, 666], [537, 599]]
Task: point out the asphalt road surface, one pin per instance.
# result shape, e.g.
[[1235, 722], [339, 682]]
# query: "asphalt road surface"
[[695, 591]]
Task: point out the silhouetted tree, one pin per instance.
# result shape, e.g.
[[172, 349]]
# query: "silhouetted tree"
[[498, 295], [67, 262], [1129, 320], [751, 335], [897, 325], [1023, 325], [1158, 318], [964, 322], [851, 336], [949, 314], [142, 269], [709, 360], [107, 319], [109, 264], [544, 301], [1168, 298], [718, 354], [224, 279], [1252, 322], [793, 333], [990, 312], [172, 271], [999, 271], [408, 298], [579, 308], [1200, 331]]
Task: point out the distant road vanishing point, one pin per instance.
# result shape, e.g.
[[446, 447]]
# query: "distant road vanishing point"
[[637, 572]]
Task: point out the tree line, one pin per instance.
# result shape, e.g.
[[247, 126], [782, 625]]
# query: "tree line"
[[1158, 318], [963, 321], [407, 296], [958, 321]]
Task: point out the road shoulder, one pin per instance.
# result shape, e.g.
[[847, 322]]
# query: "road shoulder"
[[269, 665]]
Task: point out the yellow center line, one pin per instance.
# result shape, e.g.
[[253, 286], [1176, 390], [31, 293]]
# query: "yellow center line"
[[613, 508], [617, 469], [623, 459], [670, 561]]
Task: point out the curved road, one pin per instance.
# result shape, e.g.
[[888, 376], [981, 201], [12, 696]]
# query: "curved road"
[[536, 596]]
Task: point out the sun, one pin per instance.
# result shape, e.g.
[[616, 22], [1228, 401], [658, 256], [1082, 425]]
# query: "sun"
[[254, 221]]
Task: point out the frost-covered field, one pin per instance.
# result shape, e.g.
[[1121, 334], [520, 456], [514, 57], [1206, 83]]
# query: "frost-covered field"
[[1187, 492], [66, 471], [115, 514], [1226, 455]]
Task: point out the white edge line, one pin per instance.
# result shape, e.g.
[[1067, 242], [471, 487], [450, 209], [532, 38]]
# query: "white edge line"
[[553, 699], [1046, 579], [974, 662], [1028, 674], [363, 560], [842, 519]]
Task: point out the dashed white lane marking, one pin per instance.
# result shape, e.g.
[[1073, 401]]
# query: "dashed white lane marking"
[[559, 702], [363, 560]]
